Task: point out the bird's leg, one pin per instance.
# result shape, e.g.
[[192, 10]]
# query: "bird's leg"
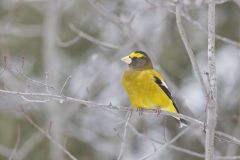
[[140, 110], [131, 110], [158, 111]]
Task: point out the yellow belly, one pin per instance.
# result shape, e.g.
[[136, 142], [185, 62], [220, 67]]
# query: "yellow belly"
[[144, 92]]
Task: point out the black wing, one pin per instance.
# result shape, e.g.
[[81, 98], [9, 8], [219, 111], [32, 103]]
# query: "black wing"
[[165, 89], [168, 93]]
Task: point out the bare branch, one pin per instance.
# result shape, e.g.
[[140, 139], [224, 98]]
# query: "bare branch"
[[29, 145], [190, 53], [14, 151], [166, 144], [219, 37], [183, 150], [34, 81], [199, 26], [105, 14], [179, 149], [212, 99], [34, 100], [124, 136], [96, 105], [68, 43], [219, 135], [52, 65], [92, 39], [154, 141], [64, 84], [59, 146]]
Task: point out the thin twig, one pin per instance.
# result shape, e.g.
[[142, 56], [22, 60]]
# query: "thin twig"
[[29, 145], [167, 144], [219, 37], [34, 100], [154, 141], [64, 84], [124, 136], [33, 80], [109, 16], [92, 39], [14, 151], [179, 149], [183, 150], [47, 135], [200, 26], [68, 43]]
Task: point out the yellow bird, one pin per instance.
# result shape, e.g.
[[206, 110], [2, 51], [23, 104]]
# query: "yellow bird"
[[146, 87]]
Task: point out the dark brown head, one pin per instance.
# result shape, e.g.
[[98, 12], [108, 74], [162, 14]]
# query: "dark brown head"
[[138, 60]]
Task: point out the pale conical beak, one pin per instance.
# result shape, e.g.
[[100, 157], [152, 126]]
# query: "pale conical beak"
[[127, 60]]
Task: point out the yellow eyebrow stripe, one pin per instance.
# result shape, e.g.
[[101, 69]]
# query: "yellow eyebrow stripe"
[[136, 55]]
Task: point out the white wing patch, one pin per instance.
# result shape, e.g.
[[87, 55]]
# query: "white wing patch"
[[164, 84]]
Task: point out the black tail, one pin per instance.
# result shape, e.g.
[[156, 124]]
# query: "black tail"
[[182, 122]]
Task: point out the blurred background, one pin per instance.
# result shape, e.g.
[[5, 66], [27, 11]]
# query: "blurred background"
[[73, 48]]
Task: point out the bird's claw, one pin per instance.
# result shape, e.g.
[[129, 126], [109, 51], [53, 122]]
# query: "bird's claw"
[[140, 111], [158, 111]]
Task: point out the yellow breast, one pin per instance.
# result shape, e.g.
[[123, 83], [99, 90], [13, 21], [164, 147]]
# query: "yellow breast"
[[143, 91]]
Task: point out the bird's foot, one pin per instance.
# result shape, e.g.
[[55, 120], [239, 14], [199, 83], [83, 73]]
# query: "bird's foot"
[[131, 110], [158, 111], [140, 111]]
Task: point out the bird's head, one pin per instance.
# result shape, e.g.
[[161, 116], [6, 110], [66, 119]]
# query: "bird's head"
[[138, 60]]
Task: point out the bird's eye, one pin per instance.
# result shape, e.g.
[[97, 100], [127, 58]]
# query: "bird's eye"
[[134, 58]]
